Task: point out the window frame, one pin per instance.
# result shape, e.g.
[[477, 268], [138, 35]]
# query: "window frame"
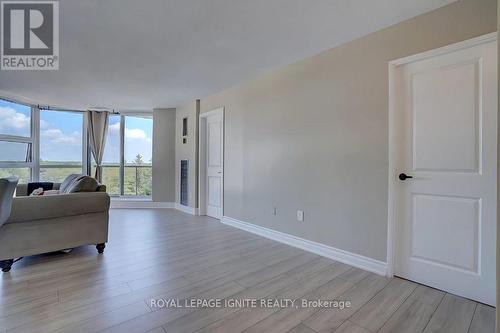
[[85, 144], [145, 115], [21, 139]]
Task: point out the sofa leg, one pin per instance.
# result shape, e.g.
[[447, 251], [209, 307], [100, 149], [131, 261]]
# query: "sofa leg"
[[5, 265], [100, 247]]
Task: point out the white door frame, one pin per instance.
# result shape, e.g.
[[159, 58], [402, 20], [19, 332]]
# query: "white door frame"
[[202, 160], [392, 226]]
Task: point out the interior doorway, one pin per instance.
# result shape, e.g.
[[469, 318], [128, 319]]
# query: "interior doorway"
[[211, 192]]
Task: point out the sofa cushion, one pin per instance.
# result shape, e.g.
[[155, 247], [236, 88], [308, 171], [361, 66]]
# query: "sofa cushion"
[[67, 182], [83, 184], [45, 186], [51, 192]]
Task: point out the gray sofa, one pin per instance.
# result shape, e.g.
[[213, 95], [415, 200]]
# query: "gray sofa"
[[47, 223]]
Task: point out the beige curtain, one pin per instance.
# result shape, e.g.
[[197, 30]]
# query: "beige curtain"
[[97, 131]]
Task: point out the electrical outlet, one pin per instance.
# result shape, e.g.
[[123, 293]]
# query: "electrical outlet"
[[300, 215], [275, 210]]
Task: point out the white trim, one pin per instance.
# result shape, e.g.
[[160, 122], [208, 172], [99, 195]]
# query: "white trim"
[[186, 209], [140, 114], [349, 258], [131, 203], [392, 181], [139, 204], [446, 49], [212, 113], [391, 206], [202, 164], [202, 168]]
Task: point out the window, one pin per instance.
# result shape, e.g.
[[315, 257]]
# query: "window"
[[134, 176], [49, 145], [138, 150], [16, 141], [15, 119], [13, 151], [61, 144]]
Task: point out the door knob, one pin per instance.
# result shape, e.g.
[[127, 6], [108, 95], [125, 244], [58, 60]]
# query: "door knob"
[[404, 176]]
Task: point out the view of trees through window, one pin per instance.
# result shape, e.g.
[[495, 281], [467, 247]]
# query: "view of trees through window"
[[138, 149], [22, 173], [111, 159]]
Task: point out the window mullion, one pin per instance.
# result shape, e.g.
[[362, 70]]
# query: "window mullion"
[[122, 155], [35, 149], [86, 159], [14, 138], [8, 165]]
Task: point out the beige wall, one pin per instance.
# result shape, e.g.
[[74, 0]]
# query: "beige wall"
[[163, 155], [498, 187], [187, 151], [314, 136]]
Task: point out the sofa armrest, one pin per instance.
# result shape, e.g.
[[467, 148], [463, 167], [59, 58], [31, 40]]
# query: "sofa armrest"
[[21, 190], [60, 205]]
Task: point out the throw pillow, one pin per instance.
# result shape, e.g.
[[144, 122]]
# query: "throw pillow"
[[67, 182], [37, 192], [83, 184]]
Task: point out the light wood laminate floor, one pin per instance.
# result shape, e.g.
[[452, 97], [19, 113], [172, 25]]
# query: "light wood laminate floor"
[[165, 254]]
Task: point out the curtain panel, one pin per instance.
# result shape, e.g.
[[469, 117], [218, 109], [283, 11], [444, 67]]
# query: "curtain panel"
[[97, 131]]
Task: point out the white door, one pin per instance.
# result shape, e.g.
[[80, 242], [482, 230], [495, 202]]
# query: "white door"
[[214, 160], [445, 132]]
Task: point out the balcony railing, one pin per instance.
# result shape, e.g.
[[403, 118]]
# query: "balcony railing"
[[137, 180]]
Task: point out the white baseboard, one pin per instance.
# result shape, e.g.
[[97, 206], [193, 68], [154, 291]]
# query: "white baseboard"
[[145, 204], [138, 204], [186, 209], [356, 260]]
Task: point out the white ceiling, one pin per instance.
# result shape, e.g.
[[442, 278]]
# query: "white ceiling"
[[139, 55]]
